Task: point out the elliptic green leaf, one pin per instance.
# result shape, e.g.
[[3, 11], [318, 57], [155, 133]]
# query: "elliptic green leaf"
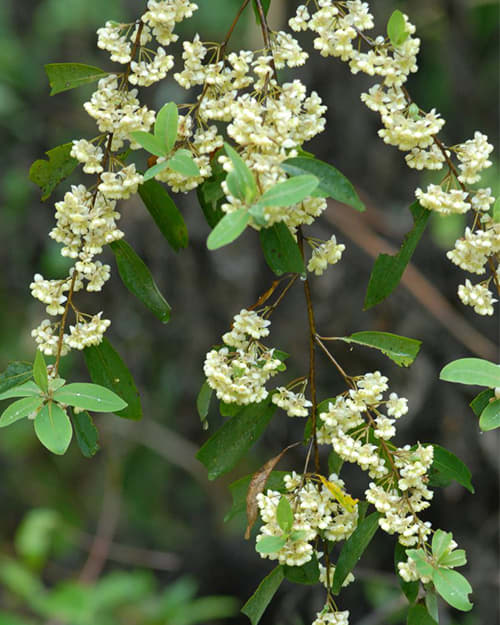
[[53, 428], [410, 589], [156, 169], [306, 574], [239, 490], [284, 514], [203, 403], [20, 409], [490, 417], [149, 142], [353, 549], [388, 270], [107, 368], [86, 434], [65, 76], [281, 250], [401, 349], [255, 607], [166, 125], [446, 467], [479, 403], [265, 7], [228, 229], [431, 603], [453, 587], [496, 211], [17, 373], [256, 212], [183, 163], [28, 389], [291, 191], [40, 374], [335, 462], [455, 558], [89, 397], [440, 543], [418, 615], [139, 281], [232, 441], [48, 174], [422, 564], [34, 536], [472, 371], [270, 544], [332, 183], [210, 193], [165, 213], [396, 28], [242, 182]]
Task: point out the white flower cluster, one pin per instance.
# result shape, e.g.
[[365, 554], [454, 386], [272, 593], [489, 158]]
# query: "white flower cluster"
[[328, 253], [316, 512], [239, 371], [294, 404], [339, 30], [326, 617]]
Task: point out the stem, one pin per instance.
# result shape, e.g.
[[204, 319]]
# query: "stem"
[[346, 377], [63, 323], [267, 41], [312, 357], [231, 29]]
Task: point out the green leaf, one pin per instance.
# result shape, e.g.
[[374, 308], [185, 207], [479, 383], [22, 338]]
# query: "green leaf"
[[86, 432], [410, 589], [306, 574], [17, 373], [284, 514], [353, 549], [453, 587], [53, 428], [240, 180], [257, 214], [229, 410], [48, 174], [166, 125], [455, 558], [388, 270], [255, 607], [270, 544], [418, 615], [28, 389], [335, 462], [479, 403], [490, 418], [281, 250], [65, 76], [422, 564], [149, 142], [396, 28], [228, 229], [441, 542], [90, 397], [232, 441], [472, 371], [210, 193], [107, 368], [203, 403], [496, 210], [265, 7], [34, 536], [291, 191], [165, 213], [40, 374], [332, 183], [183, 163], [139, 281], [239, 490], [401, 349], [431, 603], [156, 169], [446, 467], [20, 409]]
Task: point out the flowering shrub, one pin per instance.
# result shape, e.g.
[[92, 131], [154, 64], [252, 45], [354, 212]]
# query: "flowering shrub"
[[240, 144]]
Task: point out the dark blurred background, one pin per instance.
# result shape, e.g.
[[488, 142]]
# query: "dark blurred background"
[[145, 492]]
